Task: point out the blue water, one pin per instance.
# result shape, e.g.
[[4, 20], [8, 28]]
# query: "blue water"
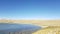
[[17, 27]]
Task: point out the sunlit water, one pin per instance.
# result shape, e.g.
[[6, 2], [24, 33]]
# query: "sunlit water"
[[4, 27]]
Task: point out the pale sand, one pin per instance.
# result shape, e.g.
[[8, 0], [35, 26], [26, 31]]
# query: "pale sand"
[[35, 22], [43, 23]]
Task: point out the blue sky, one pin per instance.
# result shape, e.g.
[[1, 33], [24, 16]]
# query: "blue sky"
[[30, 9]]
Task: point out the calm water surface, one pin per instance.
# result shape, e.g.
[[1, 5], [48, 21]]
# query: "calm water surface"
[[17, 27]]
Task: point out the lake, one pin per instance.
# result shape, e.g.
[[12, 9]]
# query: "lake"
[[6, 27]]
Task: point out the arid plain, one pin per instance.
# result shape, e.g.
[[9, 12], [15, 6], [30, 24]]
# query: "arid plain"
[[35, 22], [42, 23]]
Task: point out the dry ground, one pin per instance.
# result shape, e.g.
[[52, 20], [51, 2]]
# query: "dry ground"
[[36, 22], [49, 30], [42, 23]]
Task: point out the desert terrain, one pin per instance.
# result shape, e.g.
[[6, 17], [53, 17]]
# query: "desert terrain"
[[35, 22], [48, 25]]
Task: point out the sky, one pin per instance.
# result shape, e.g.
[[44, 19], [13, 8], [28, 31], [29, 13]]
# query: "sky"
[[30, 9]]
